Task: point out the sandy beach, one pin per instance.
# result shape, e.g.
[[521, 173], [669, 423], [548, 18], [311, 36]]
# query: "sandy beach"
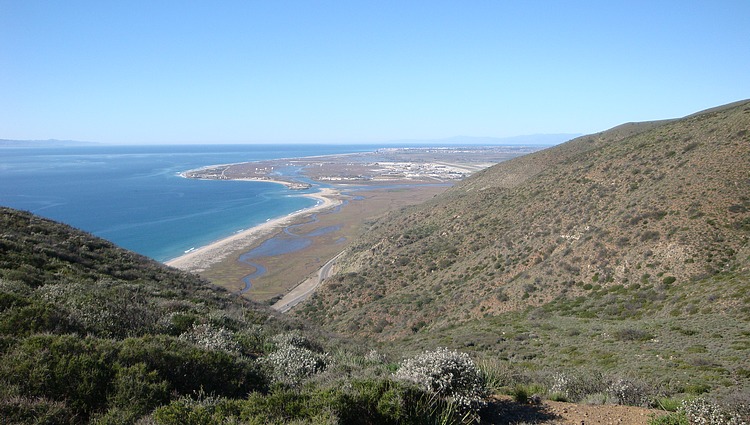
[[201, 258]]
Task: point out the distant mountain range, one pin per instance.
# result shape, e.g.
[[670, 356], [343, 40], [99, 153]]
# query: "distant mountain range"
[[531, 139], [49, 143]]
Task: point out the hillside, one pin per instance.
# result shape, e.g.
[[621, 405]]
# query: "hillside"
[[91, 333], [593, 252]]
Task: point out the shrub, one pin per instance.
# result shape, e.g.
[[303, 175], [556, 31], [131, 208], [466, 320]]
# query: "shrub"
[[188, 367], [77, 370], [365, 401], [291, 364], [449, 374], [674, 418], [670, 404], [97, 307], [37, 410], [202, 410], [631, 334], [627, 391], [176, 323], [212, 338], [703, 411], [375, 357], [138, 391], [575, 387], [294, 339], [496, 375], [596, 399], [250, 340], [37, 317]]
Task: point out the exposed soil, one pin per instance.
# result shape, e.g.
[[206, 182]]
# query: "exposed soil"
[[503, 410]]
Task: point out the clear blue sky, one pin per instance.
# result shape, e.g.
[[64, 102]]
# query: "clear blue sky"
[[352, 71]]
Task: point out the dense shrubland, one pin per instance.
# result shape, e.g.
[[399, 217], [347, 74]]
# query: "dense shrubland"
[[82, 342], [635, 210], [90, 333]]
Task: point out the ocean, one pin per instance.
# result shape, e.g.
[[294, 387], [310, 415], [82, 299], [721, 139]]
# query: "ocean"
[[134, 196]]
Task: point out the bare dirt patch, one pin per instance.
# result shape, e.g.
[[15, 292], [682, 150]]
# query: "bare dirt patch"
[[503, 410]]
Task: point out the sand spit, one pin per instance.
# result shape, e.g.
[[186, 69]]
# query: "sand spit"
[[201, 258]]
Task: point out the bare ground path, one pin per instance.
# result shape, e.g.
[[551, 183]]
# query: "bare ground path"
[[504, 411], [302, 291]]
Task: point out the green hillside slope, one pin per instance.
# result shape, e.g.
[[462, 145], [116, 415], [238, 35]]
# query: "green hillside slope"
[[639, 231], [90, 333]]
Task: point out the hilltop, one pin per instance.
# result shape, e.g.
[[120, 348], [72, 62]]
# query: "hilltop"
[[625, 250]]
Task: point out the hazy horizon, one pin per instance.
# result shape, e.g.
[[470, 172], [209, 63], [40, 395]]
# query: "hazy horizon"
[[530, 139]]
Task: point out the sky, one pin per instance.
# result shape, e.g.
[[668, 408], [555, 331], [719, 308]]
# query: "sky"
[[360, 71]]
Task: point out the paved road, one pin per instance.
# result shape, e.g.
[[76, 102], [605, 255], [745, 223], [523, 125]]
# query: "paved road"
[[302, 291]]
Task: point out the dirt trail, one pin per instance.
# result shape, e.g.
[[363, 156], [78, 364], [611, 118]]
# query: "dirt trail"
[[506, 411]]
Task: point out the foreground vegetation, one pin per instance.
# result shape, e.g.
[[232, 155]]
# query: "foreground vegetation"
[[90, 333]]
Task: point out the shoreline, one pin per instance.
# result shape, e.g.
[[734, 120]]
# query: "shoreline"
[[290, 184], [201, 258]]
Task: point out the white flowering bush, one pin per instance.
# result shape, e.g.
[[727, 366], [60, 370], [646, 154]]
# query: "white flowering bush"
[[575, 387], [703, 412], [447, 373], [291, 365], [294, 339], [627, 392], [211, 337], [375, 357]]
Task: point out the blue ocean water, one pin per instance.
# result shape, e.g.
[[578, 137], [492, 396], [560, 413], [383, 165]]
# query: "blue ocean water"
[[134, 197]]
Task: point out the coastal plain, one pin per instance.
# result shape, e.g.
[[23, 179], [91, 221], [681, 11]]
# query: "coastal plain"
[[353, 190]]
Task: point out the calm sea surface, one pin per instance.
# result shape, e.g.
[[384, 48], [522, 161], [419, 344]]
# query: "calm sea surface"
[[133, 196]]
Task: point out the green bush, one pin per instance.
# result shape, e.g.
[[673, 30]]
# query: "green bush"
[[115, 416], [354, 402], [64, 368], [189, 368], [137, 390], [201, 411], [36, 410], [674, 418], [24, 319], [631, 334], [575, 387], [668, 280]]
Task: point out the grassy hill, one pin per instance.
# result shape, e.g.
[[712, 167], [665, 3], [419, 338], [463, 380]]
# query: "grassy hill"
[[91, 333], [624, 251]]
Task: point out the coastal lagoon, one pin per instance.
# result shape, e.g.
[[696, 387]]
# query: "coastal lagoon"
[[134, 196]]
